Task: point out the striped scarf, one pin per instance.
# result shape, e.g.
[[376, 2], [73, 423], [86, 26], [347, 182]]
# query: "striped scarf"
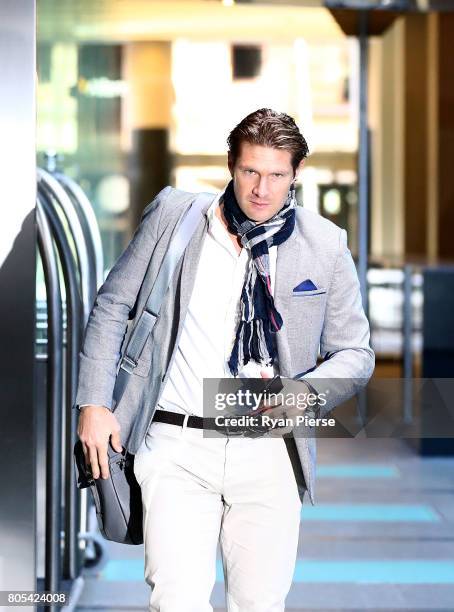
[[259, 317]]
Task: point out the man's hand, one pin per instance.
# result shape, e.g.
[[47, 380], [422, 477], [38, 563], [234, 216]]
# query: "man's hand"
[[96, 425], [281, 411]]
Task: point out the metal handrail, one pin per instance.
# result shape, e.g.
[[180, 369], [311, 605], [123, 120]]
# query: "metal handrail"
[[52, 187], [88, 219], [55, 401], [73, 342]]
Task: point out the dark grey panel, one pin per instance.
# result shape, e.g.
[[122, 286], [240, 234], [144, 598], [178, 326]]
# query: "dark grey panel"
[[17, 294]]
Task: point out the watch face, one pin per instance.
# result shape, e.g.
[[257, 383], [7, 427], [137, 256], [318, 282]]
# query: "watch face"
[[274, 386]]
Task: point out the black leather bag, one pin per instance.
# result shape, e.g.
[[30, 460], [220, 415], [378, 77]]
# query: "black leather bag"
[[118, 499]]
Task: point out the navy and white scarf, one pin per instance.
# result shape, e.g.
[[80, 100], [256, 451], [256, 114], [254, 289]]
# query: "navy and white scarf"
[[259, 317]]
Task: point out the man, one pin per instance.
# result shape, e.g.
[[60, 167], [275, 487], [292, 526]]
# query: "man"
[[262, 285]]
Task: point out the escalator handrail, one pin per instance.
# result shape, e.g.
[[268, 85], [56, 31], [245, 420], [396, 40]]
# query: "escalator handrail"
[[52, 187], [71, 561], [55, 400], [86, 209]]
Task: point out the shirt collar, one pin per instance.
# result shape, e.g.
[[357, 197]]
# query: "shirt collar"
[[216, 228], [211, 211]]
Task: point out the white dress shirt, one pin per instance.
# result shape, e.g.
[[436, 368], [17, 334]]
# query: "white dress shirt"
[[213, 314]]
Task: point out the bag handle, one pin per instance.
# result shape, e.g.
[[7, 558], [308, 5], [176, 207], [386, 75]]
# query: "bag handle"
[[144, 326]]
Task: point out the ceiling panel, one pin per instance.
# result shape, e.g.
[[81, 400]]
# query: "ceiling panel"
[[131, 20]]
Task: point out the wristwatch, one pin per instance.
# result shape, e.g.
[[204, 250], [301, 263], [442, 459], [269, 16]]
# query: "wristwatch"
[[273, 386]]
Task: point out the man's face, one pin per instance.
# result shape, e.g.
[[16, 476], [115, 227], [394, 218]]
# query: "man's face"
[[261, 179]]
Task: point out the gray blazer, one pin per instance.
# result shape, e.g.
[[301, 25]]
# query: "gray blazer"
[[329, 320]]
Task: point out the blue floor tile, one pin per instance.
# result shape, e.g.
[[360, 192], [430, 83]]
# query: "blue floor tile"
[[351, 470], [370, 512], [390, 571], [387, 571], [123, 569]]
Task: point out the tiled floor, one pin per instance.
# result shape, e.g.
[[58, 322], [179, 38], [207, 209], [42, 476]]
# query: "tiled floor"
[[380, 537]]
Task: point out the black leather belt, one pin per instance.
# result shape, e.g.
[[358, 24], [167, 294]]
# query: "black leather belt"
[[176, 418]]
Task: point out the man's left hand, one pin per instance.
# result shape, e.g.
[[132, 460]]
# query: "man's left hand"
[[288, 411]]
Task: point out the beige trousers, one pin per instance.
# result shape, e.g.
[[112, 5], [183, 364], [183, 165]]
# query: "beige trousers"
[[197, 491]]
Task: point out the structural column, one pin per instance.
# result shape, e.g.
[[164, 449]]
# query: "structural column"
[[148, 112], [386, 111], [444, 132], [415, 134], [429, 135], [413, 138]]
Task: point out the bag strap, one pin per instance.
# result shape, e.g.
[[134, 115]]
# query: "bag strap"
[[144, 326]]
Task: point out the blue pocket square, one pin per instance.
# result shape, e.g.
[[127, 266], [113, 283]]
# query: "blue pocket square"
[[306, 285]]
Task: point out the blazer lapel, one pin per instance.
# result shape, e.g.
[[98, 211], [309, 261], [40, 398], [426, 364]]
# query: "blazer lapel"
[[188, 272], [189, 268], [287, 271]]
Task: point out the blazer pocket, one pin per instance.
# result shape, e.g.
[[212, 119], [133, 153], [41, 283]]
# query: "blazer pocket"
[[302, 294]]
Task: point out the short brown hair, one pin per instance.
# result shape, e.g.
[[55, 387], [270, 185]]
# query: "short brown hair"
[[269, 128]]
